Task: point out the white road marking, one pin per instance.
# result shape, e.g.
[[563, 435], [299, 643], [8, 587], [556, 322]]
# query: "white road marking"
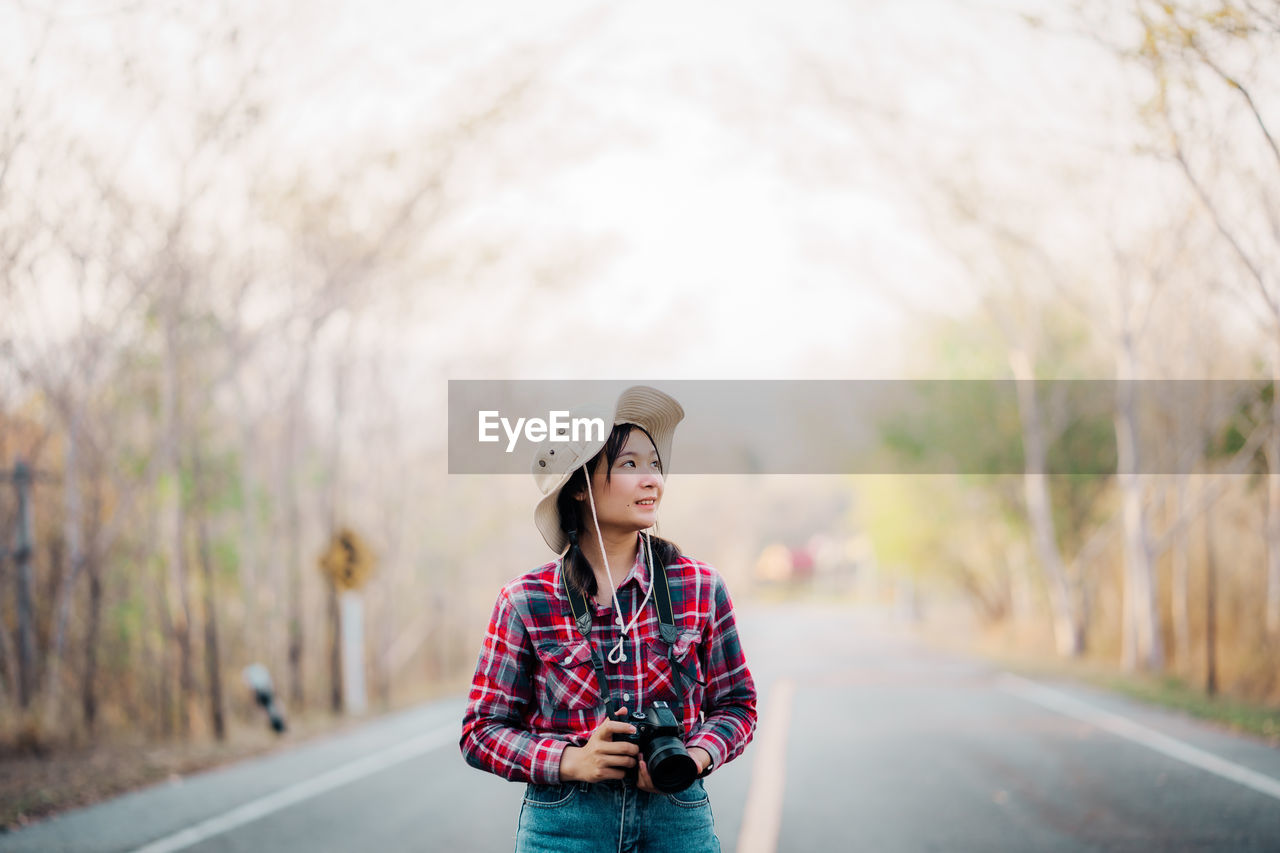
[[762, 815], [1150, 738], [293, 794]]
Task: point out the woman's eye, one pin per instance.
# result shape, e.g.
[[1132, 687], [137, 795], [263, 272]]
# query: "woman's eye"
[[655, 464]]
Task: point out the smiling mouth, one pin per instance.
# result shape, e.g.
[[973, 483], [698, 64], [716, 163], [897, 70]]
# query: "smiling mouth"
[[645, 502]]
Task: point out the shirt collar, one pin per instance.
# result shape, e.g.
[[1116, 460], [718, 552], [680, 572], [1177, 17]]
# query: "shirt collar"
[[639, 572]]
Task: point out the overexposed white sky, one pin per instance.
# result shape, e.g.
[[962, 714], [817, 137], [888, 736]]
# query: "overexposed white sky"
[[742, 179], [751, 228]]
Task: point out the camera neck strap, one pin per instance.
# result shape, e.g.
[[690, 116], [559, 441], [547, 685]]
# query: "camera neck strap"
[[667, 623], [666, 628], [582, 616]]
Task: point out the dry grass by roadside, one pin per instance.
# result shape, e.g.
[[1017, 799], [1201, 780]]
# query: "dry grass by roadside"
[[1028, 650], [1031, 654], [1164, 691]]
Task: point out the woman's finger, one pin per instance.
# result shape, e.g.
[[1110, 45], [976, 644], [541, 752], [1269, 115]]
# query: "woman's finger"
[[619, 760], [618, 747], [643, 782], [609, 728]]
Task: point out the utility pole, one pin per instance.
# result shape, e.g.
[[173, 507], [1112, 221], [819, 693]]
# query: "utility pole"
[[24, 547], [1211, 608]]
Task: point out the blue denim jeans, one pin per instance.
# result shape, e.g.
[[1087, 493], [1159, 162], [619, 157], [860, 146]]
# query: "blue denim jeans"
[[578, 817]]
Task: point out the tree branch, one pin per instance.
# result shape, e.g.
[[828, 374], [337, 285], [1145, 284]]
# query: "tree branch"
[[1255, 272], [1235, 84]]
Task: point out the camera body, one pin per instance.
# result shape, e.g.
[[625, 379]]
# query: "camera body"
[[658, 735]]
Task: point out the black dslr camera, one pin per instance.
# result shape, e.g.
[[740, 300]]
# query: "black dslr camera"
[[658, 736]]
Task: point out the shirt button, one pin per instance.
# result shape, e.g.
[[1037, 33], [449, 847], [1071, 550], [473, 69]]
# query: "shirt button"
[[626, 697], [568, 660]]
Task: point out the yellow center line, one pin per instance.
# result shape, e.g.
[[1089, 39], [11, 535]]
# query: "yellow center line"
[[762, 817]]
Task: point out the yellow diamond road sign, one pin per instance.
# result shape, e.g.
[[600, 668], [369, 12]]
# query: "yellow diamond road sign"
[[347, 561]]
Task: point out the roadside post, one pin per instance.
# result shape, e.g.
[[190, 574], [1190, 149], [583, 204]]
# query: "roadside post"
[[348, 563]]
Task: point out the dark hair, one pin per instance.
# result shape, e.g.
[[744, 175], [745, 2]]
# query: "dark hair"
[[577, 570]]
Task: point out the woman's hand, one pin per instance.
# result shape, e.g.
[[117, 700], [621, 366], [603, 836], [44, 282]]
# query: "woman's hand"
[[601, 758], [700, 757]]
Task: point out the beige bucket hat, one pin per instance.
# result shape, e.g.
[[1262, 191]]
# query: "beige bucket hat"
[[555, 462]]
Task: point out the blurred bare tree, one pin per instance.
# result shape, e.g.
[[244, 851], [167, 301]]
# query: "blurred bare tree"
[[1109, 221], [194, 314]]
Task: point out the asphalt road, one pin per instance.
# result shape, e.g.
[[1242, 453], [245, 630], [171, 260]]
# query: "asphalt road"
[[867, 742]]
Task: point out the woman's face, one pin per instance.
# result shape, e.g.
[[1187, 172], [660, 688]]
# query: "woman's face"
[[627, 501]]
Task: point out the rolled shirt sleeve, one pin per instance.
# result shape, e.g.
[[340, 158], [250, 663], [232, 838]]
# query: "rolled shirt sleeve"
[[494, 733], [729, 702]]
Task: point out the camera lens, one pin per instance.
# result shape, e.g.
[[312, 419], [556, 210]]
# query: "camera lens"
[[670, 766]]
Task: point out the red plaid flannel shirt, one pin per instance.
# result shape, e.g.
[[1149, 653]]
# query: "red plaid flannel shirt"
[[535, 692]]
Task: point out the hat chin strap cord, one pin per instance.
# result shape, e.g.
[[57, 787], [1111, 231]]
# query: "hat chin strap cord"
[[661, 601], [618, 654]]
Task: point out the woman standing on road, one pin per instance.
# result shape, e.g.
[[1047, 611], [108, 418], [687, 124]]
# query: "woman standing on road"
[[583, 653]]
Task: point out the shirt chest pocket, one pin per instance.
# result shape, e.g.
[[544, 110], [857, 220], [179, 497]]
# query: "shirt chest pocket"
[[565, 679], [665, 681]]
